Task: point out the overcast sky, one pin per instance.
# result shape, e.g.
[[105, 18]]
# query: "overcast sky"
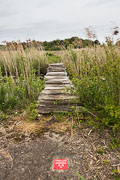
[[57, 19]]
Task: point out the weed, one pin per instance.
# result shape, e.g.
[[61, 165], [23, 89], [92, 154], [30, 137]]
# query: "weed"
[[81, 177], [115, 142], [106, 161], [3, 116], [101, 150], [59, 116], [116, 174], [31, 111]]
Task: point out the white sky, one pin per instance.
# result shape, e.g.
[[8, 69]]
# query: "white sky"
[[57, 19]]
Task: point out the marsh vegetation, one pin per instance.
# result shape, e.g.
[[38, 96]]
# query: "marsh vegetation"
[[94, 71]]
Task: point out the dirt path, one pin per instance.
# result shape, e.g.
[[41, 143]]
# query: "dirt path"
[[25, 156]]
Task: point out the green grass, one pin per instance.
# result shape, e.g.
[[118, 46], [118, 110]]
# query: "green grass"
[[95, 72]]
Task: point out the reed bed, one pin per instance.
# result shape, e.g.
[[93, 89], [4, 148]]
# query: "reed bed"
[[95, 73], [20, 76]]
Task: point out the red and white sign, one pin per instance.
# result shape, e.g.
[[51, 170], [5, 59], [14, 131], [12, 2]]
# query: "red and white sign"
[[60, 164]]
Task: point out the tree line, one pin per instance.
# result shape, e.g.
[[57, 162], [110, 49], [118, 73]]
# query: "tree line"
[[55, 45]]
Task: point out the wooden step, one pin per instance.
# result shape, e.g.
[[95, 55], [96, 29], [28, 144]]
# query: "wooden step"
[[56, 74], [57, 81], [44, 110], [58, 85], [58, 97], [57, 103], [50, 69], [56, 65], [55, 91], [54, 88], [56, 77]]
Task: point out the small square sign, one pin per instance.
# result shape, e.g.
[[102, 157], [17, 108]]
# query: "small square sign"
[[60, 164]]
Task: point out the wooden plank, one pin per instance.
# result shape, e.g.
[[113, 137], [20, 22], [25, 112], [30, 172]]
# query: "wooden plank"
[[60, 108], [57, 97], [56, 69], [58, 85], [57, 81], [56, 77], [54, 91], [54, 87], [56, 74], [44, 110], [56, 65], [59, 101], [56, 104]]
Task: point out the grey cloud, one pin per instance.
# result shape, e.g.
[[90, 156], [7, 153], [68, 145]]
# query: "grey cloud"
[[46, 30], [45, 3], [51, 19], [2, 2], [6, 9], [7, 13], [49, 25], [49, 29], [100, 2]]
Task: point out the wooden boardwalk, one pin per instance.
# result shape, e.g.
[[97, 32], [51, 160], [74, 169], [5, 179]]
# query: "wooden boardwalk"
[[57, 96]]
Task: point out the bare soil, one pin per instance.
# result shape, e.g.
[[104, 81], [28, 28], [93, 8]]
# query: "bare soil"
[[28, 150]]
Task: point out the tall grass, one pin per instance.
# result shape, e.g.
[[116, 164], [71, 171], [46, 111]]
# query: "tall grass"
[[96, 75], [95, 72], [20, 76]]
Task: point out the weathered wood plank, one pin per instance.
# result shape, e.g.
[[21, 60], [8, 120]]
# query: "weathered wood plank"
[[50, 69], [56, 104], [58, 85], [57, 97], [56, 77], [57, 81], [55, 91], [59, 101], [56, 74], [56, 65], [54, 87], [65, 109]]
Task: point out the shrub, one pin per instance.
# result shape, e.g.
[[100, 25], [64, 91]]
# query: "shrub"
[[97, 81]]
